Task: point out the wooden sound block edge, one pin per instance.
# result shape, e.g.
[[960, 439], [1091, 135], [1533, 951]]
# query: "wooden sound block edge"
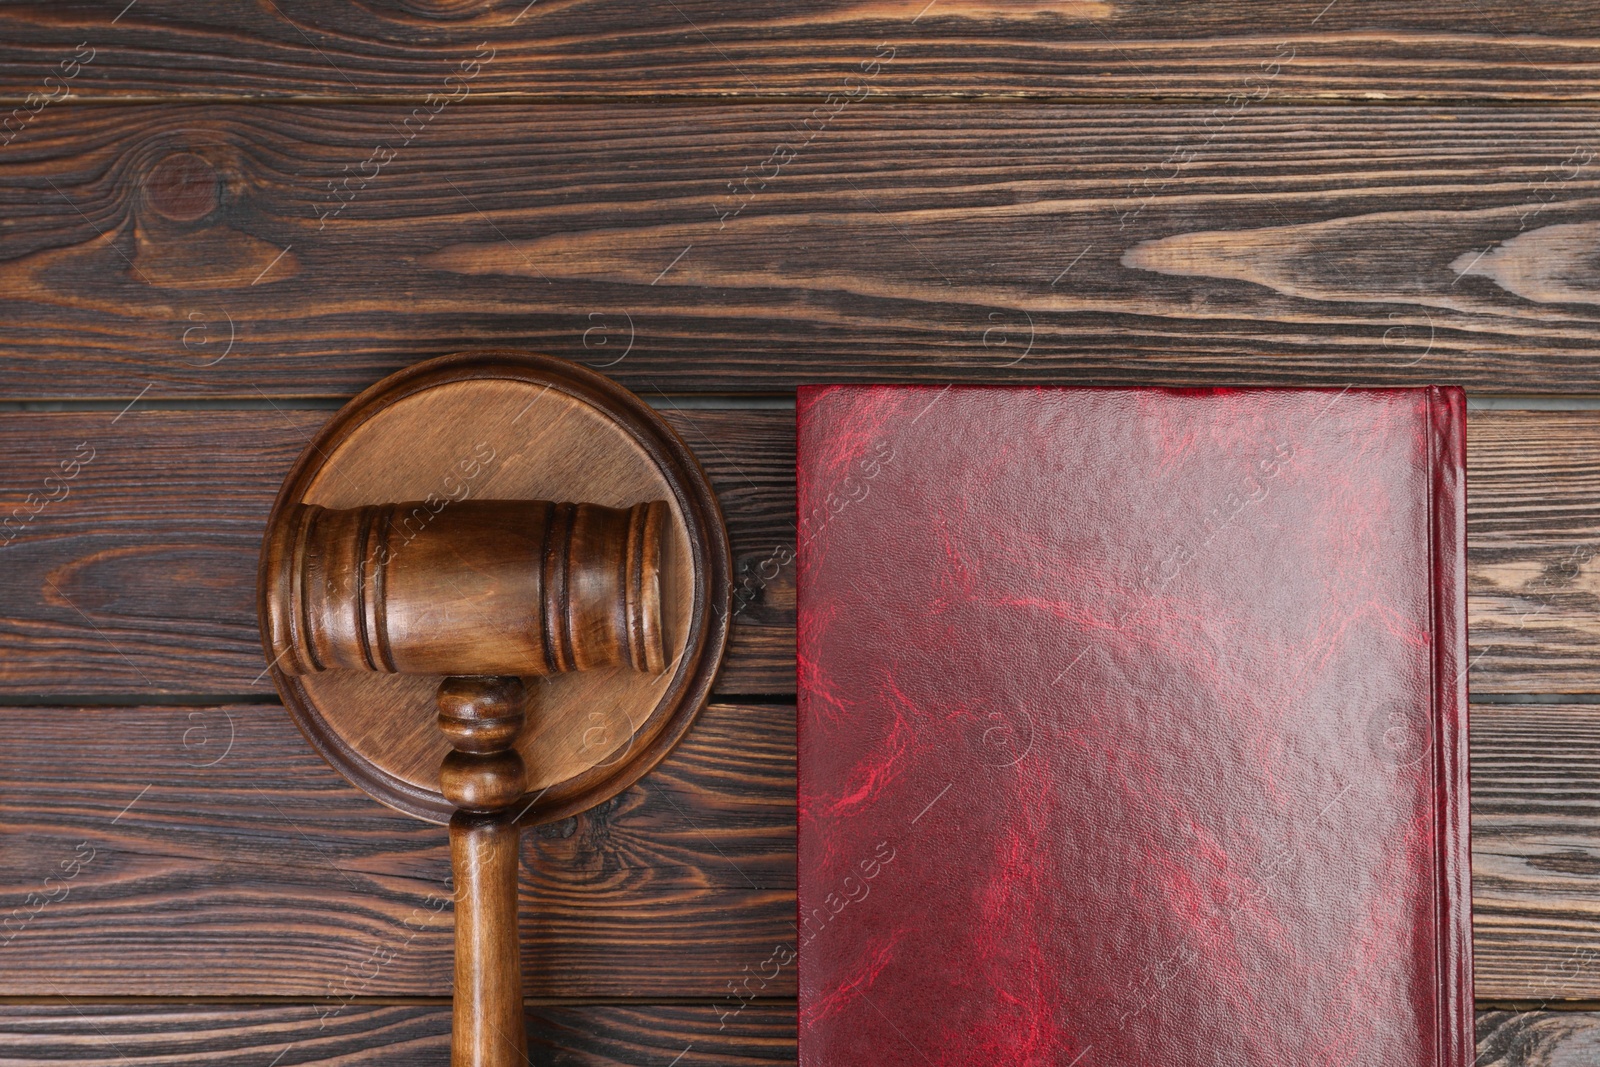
[[711, 602]]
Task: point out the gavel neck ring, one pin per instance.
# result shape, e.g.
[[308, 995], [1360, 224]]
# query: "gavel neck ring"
[[482, 717]]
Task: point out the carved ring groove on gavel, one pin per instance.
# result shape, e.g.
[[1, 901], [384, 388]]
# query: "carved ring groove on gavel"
[[484, 587], [487, 593]]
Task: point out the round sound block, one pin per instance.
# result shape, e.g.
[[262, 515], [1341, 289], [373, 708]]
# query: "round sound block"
[[502, 425]]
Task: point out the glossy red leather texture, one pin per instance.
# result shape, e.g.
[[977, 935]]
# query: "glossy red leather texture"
[[1133, 728]]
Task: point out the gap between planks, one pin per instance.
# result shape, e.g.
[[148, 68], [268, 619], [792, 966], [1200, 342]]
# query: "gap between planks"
[[664, 402], [270, 1001], [715, 98]]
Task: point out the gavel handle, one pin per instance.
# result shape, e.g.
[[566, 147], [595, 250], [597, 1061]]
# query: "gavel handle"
[[488, 1028], [485, 778]]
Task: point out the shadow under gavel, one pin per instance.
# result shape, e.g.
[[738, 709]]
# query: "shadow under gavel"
[[486, 593]]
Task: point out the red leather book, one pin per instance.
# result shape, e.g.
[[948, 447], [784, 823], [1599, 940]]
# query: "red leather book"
[[1133, 728]]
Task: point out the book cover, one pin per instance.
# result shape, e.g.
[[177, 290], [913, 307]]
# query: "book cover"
[[1132, 728]]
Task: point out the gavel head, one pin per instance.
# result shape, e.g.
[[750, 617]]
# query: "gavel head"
[[485, 587]]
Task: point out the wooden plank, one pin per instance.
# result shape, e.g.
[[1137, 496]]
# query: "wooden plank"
[[149, 1035], [209, 851], [136, 573], [229, 250], [1534, 559], [1537, 1038], [1536, 851], [712, 48], [139, 576], [412, 1035], [185, 853]]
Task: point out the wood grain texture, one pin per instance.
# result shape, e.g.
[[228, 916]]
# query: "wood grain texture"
[[203, 837], [147, 1035], [137, 575], [95, 1035], [483, 772], [1533, 560], [1537, 1038], [487, 991], [712, 48], [1189, 219], [682, 886], [750, 248], [143, 559], [1535, 851]]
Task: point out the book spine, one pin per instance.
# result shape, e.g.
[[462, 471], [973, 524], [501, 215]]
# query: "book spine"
[[1446, 437]]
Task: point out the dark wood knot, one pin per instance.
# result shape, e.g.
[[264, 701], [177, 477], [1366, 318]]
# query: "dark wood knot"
[[184, 187], [445, 10]]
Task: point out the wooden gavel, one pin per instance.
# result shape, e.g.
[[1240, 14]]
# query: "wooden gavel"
[[487, 593]]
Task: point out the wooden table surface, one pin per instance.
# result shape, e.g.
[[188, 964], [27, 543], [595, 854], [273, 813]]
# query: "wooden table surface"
[[217, 223]]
